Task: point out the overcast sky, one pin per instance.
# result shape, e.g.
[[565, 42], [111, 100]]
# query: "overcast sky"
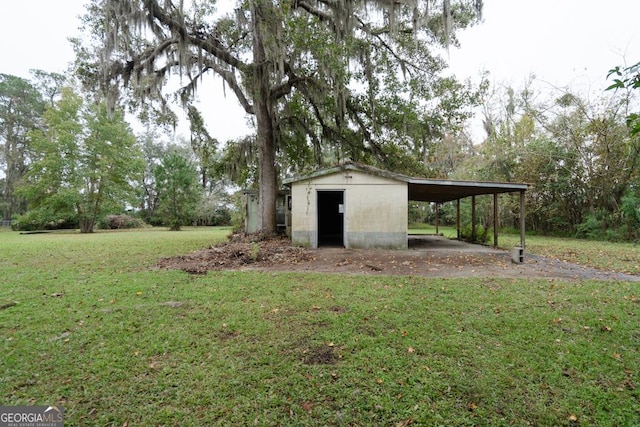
[[565, 43]]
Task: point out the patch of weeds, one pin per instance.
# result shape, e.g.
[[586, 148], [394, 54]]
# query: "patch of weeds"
[[255, 251]]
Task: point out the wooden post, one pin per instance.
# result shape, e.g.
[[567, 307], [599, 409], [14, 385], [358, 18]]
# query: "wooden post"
[[473, 219], [522, 216], [437, 219], [495, 220], [458, 219]]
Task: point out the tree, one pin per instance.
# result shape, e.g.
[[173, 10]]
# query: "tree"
[[294, 65], [579, 155], [178, 190], [203, 146], [85, 161], [627, 78], [153, 149], [49, 84], [21, 108]]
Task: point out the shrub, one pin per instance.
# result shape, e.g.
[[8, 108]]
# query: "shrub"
[[44, 219], [602, 225], [591, 228], [121, 222], [482, 234]]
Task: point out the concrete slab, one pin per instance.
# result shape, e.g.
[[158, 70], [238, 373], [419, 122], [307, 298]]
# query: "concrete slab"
[[437, 243]]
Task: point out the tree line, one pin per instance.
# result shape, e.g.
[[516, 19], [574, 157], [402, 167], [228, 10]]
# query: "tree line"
[[68, 162], [581, 156], [321, 82]]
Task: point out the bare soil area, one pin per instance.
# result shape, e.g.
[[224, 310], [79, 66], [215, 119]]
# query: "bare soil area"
[[429, 256]]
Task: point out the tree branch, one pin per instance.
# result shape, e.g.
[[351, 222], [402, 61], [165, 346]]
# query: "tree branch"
[[323, 16], [210, 44]]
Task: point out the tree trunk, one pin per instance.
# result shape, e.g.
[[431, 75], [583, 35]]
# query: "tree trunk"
[[86, 225], [8, 196], [10, 178], [268, 187], [267, 180]]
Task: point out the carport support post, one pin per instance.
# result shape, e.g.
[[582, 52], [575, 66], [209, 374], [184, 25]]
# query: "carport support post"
[[522, 215], [473, 219], [458, 218], [495, 220], [437, 218]]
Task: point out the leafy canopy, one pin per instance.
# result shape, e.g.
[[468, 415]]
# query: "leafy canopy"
[[85, 161], [178, 190], [627, 78]]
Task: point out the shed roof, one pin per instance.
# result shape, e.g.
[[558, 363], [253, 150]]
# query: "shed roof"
[[423, 189]]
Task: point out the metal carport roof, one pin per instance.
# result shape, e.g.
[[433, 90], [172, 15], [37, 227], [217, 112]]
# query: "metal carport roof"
[[437, 190]]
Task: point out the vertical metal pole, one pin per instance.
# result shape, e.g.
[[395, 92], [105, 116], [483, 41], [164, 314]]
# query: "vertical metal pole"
[[458, 219], [437, 219], [495, 220], [473, 218], [522, 216]]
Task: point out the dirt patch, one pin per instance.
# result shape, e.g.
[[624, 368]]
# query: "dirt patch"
[[321, 355], [430, 256], [240, 252]]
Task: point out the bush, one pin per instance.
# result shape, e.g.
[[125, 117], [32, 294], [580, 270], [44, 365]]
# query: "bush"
[[215, 216], [121, 222], [602, 225], [44, 219], [482, 234], [591, 228], [631, 215]]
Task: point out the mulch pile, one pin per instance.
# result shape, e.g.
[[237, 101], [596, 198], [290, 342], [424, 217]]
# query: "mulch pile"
[[240, 251]]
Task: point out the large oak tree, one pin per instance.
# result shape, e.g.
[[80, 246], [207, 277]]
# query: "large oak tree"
[[314, 73]]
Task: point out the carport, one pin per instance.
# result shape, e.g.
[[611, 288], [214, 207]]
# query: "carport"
[[441, 191], [359, 206]]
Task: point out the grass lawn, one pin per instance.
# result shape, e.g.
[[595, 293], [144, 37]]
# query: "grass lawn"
[[87, 323], [620, 257]]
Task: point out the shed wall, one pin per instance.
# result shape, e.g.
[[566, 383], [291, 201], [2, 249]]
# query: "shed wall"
[[375, 210], [251, 213]]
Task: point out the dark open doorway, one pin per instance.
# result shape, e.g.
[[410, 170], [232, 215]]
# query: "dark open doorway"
[[330, 218]]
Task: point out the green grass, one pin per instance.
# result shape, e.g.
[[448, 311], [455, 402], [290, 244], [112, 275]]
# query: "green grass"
[[127, 344], [610, 256], [423, 228], [620, 257]]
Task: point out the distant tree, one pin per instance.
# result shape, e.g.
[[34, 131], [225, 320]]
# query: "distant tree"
[[49, 84], [153, 149], [627, 78], [178, 189], [85, 162], [203, 146], [580, 156], [21, 109]]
